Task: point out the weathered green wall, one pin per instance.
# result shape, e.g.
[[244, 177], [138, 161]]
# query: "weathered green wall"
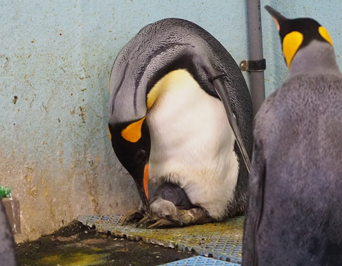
[[55, 59]]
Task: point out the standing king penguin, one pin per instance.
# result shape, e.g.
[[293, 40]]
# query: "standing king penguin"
[[294, 211], [7, 248], [169, 126]]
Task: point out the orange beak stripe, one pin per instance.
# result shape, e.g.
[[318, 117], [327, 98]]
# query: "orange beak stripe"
[[277, 23], [110, 135], [145, 180]]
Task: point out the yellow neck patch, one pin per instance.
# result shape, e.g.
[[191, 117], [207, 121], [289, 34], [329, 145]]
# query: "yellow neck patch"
[[325, 34], [291, 43], [169, 81], [132, 132]]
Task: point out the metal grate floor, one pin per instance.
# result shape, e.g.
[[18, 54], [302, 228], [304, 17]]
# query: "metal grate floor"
[[200, 261], [222, 241]]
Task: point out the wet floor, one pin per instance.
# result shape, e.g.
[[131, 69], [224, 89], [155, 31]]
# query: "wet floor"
[[79, 245]]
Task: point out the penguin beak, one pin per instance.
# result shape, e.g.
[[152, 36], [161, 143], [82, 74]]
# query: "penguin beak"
[[277, 17], [143, 189], [131, 144], [145, 180]]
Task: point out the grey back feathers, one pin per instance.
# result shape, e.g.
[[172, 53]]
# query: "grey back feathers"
[[7, 248], [168, 45], [294, 214]]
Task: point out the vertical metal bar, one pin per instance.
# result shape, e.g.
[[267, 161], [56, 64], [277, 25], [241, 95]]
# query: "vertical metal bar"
[[257, 82]]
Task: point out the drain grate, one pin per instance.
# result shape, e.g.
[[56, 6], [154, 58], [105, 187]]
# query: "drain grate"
[[200, 261], [222, 241]]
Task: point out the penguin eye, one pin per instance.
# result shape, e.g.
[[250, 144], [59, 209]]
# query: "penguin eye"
[[141, 156]]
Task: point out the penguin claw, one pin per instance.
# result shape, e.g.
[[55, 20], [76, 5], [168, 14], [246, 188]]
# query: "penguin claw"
[[146, 219], [168, 217], [132, 216], [180, 220], [162, 223]]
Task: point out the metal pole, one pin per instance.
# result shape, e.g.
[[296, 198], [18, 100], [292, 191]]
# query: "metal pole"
[[257, 83]]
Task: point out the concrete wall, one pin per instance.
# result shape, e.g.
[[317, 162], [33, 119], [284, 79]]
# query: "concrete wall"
[[55, 59]]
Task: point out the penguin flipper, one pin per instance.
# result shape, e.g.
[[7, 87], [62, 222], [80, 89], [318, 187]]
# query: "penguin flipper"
[[254, 206], [222, 92]]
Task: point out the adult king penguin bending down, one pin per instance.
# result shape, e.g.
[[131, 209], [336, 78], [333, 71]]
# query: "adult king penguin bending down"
[[169, 126]]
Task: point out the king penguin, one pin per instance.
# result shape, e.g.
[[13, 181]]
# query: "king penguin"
[[180, 119], [7, 248], [294, 211]]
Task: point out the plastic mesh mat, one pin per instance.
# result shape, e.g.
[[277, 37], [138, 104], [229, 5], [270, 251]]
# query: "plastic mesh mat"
[[222, 241], [200, 261]]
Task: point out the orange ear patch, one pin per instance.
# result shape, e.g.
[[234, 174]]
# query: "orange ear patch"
[[132, 132]]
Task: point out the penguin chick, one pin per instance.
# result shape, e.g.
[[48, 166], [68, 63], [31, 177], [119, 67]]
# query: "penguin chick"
[[175, 194], [180, 113], [167, 200], [294, 214], [7, 248]]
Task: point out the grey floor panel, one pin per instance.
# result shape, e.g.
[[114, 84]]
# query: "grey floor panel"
[[222, 241]]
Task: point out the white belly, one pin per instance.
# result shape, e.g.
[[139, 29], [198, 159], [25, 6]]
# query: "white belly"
[[192, 143]]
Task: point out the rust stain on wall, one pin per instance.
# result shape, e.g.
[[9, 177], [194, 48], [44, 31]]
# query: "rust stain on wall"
[[82, 113], [31, 188], [15, 99]]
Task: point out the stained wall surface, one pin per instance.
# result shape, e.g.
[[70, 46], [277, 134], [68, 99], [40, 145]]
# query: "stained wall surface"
[[55, 60]]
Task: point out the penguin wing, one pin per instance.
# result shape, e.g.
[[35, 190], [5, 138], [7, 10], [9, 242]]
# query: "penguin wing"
[[254, 206], [256, 183], [224, 96]]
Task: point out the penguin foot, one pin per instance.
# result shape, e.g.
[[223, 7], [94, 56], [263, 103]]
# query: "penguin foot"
[[181, 218], [196, 215], [132, 216], [157, 222], [166, 214], [163, 223], [163, 214], [145, 221]]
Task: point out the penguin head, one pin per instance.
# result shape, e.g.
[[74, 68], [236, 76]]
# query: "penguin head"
[[131, 144], [295, 34]]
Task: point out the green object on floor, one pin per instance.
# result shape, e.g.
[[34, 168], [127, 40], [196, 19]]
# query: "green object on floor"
[[5, 192]]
